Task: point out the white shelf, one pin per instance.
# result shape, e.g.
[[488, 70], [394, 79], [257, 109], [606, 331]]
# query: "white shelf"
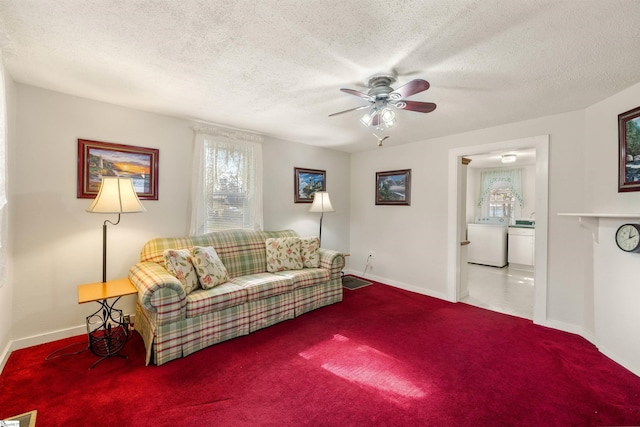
[[591, 221], [603, 215]]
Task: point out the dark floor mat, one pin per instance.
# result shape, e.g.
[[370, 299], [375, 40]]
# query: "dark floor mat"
[[352, 283]]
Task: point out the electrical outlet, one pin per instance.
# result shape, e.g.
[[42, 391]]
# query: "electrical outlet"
[[372, 254]]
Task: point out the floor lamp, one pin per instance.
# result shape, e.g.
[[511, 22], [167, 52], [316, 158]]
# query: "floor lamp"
[[321, 203], [116, 196]]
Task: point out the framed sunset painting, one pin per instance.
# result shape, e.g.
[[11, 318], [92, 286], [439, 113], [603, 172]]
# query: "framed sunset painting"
[[97, 159]]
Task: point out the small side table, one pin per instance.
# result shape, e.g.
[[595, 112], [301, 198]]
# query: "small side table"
[[107, 328]]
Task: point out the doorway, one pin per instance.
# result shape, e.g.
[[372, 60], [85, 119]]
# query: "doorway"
[[500, 192], [457, 216], [504, 290]]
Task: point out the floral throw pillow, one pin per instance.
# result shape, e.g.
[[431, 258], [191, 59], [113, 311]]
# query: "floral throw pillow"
[[211, 271], [310, 252], [283, 254], [178, 263]]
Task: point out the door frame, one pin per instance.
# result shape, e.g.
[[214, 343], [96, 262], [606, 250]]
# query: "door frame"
[[457, 189]]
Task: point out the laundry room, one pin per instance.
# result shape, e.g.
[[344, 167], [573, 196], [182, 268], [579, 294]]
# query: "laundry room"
[[500, 217], [500, 193]]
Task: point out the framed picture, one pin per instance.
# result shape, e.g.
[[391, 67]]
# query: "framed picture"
[[393, 188], [96, 159], [307, 182], [629, 147]]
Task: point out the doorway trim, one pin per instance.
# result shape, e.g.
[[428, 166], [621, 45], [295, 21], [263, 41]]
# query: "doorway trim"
[[456, 232]]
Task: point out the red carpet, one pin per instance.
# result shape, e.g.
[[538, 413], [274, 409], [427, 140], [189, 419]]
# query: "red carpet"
[[382, 357]]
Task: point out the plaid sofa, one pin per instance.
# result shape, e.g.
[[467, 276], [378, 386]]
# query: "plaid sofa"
[[174, 324]]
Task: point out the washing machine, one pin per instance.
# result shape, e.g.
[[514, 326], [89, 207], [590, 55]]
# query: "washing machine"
[[488, 241]]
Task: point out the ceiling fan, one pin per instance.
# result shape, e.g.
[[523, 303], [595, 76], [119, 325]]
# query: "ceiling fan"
[[382, 97]]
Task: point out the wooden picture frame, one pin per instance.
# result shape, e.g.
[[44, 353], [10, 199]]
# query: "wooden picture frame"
[[96, 159], [307, 182], [393, 188], [629, 151]]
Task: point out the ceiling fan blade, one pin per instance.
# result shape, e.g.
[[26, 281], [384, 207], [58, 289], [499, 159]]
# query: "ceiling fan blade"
[[349, 110], [411, 88], [420, 107], [356, 93], [397, 73]]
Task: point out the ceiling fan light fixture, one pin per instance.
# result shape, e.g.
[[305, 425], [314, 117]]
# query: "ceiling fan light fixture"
[[388, 117], [368, 117], [508, 158], [383, 100]]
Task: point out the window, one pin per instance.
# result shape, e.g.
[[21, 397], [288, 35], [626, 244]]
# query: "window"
[[500, 193], [227, 184], [501, 202]]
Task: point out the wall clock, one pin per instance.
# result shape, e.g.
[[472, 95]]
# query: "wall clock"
[[628, 237]]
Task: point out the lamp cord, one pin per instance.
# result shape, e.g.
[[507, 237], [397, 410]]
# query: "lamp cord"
[[320, 235], [54, 355], [366, 265]]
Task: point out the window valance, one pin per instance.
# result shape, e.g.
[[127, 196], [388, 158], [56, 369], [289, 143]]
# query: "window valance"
[[501, 178], [226, 133]]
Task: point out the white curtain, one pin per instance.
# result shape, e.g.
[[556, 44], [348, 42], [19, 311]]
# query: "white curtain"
[[501, 178], [226, 162]]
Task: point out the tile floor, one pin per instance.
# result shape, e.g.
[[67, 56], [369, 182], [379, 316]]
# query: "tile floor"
[[505, 290]]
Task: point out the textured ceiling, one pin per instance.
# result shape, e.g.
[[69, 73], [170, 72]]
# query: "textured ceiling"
[[276, 67]]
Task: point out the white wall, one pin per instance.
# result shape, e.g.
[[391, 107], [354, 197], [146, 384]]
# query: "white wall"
[[7, 289], [411, 242], [616, 290], [57, 245], [601, 161], [616, 297], [279, 207]]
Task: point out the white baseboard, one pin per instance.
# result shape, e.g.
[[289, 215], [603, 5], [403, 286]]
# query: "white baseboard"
[[627, 364], [26, 342], [589, 336], [572, 329], [400, 285], [4, 356]]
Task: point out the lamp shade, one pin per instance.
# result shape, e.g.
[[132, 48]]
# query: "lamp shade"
[[321, 202], [116, 195]]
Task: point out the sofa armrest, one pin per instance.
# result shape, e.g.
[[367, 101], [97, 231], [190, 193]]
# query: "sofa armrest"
[[159, 291], [332, 261]]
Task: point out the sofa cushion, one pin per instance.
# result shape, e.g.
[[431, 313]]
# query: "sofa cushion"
[[218, 298], [310, 252], [211, 271], [283, 253], [178, 263], [306, 277], [241, 251], [263, 285]]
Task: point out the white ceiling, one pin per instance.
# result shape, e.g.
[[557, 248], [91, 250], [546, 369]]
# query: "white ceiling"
[[494, 159], [276, 66]]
